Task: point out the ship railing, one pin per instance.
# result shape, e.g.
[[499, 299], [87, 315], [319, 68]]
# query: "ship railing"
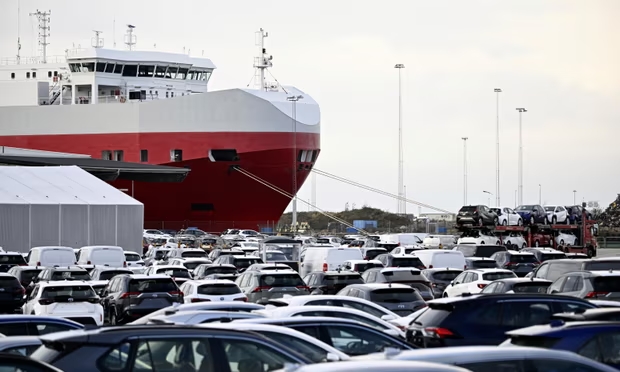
[[31, 60], [100, 99]]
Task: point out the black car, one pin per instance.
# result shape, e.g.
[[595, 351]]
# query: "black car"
[[390, 260], [25, 275], [370, 253], [331, 282], [400, 299], [482, 250], [13, 361], [520, 263], [201, 271], [440, 278], [10, 259], [545, 254], [11, 293], [409, 276], [479, 215], [128, 297], [240, 262], [35, 325], [517, 285], [170, 348], [484, 319]]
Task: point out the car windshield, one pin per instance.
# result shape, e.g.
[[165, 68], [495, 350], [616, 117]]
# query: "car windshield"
[[361, 267], [176, 273], [496, 276], [523, 258], [220, 270], [192, 265], [12, 259], [602, 265], [152, 285], [606, 284], [281, 280], [132, 257], [160, 254], [274, 256], [71, 275], [218, 289], [550, 209], [194, 254], [343, 279], [77, 291], [469, 208], [483, 264], [445, 275], [525, 208], [401, 276], [246, 262], [395, 295], [480, 250], [8, 282], [530, 287], [28, 275], [109, 274]]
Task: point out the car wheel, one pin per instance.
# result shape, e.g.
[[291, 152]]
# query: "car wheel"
[[536, 244], [546, 220], [562, 242], [519, 222], [591, 252], [554, 220], [482, 242], [524, 246], [496, 221], [112, 319], [508, 242], [505, 222], [498, 242], [532, 221]]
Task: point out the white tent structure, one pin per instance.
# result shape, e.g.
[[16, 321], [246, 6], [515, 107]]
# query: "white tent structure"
[[65, 206]]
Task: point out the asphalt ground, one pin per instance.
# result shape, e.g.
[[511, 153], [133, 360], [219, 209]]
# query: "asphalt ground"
[[608, 252]]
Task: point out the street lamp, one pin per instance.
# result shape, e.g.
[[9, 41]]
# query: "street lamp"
[[497, 92], [401, 190], [539, 194], [574, 197], [294, 100], [521, 111], [464, 169], [490, 194]]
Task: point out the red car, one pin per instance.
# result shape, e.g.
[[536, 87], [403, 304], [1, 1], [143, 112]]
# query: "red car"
[[541, 240]]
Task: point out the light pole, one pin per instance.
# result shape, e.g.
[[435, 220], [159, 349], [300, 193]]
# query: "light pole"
[[515, 198], [574, 197], [521, 111], [294, 100], [497, 92], [539, 194], [401, 190], [464, 169], [487, 192]]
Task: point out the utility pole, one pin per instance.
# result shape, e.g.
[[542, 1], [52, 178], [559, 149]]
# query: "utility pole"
[[293, 100], [464, 169], [497, 92], [401, 191], [44, 31], [521, 111]]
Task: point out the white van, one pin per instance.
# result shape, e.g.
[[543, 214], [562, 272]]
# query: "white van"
[[108, 255], [441, 258], [51, 256], [439, 241], [325, 258]]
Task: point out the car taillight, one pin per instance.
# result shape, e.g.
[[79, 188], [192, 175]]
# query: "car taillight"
[[595, 294], [124, 263], [94, 300], [200, 300], [260, 289], [21, 290], [430, 266], [303, 287], [324, 266], [481, 285], [39, 263], [46, 301], [438, 332], [175, 293], [88, 262], [129, 294], [244, 299]]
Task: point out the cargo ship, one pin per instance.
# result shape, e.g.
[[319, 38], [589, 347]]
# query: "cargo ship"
[[155, 107]]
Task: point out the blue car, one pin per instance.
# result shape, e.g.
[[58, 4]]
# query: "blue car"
[[35, 325], [532, 214], [599, 341]]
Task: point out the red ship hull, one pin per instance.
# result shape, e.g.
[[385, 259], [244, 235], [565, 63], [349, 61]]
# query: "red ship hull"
[[214, 196]]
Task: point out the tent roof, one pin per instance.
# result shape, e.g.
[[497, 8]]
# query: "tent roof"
[[107, 170], [57, 185]]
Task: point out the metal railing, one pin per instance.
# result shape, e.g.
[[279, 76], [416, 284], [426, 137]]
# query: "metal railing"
[[611, 242], [31, 60]]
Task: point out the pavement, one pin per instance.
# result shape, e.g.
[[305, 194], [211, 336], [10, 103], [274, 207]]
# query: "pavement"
[[608, 252]]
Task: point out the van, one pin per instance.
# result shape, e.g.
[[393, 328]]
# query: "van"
[[51, 256], [440, 258], [325, 258], [102, 255], [439, 242]]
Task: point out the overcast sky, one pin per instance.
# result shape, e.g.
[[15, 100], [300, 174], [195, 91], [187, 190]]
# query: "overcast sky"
[[559, 59]]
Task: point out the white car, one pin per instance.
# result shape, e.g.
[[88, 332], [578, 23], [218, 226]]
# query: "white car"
[[189, 263], [473, 281], [507, 217], [239, 306], [566, 240], [133, 259], [557, 213], [247, 246], [335, 312], [200, 317], [211, 291], [374, 366], [515, 238], [316, 350], [154, 234], [479, 240], [74, 300], [493, 358]]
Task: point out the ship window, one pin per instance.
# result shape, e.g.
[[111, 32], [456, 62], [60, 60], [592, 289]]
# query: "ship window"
[[144, 156], [190, 75], [300, 155], [315, 154], [134, 95], [118, 155], [204, 207], [171, 73], [49, 74], [182, 74], [55, 73], [160, 71], [27, 75], [12, 75], [167, 94], [109, 68], [88, 67], [171, 94], [34, 75], [130, 70], [106, 155], [176, 155], [206, 76], [118, 68], [100, 67], [146, 71]]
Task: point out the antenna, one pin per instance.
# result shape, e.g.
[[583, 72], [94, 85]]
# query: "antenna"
[[263, 61], [114, 32], [97, 42], [19, 44], [130, 38], [44, 30]]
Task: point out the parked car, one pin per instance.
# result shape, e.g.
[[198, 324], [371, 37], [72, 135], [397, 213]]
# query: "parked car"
[[201, 317], [200, 306], [440, 278], [576, 212], [475, 250], [390, 260], [403, 275], [606, 314], [477, 237], [211, 290], [604, 285], [566, 239], [515, 238], [401, 299], [11, 293], [557, 213], [371, 366], [532, 214], [517, 285], [545, 254], [264, 285], [507, 216], [14, 362], [473, 281], [479, 263], [476, 215], [521, 263], [35, 325], [330, 282], [361, 265], [19, 345], [541, 239]]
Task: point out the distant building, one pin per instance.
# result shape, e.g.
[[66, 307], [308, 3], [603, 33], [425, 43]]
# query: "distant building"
[[447, 217]]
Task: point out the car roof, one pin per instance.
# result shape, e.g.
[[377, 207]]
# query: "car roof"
[[13, 341], [166, 267], [144, 276], [210, 281], [440, 269], [372, 365], [479, 259], [490, 270], [109, 268], [375, 286], [387, 269], [38, 318], [519, 253], [66, 268], [507, 296], [299, 319], [62, 283], [523, 280]]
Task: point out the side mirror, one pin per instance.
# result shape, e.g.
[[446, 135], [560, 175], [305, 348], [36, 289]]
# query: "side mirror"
[[451, 283], [387, 317], [553, 291], [331, 357]]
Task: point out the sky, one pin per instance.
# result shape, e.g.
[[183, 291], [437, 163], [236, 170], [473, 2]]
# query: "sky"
[[557, 58]]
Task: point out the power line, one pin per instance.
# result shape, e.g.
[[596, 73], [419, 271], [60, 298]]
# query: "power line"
[[357, 184], [291, 196]]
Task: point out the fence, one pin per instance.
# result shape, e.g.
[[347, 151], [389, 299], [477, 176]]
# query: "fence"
[[214, 226], [608, 241]]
